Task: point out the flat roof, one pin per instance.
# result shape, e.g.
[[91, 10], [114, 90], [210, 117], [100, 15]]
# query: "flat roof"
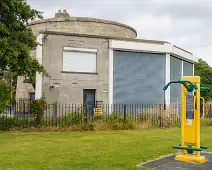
[[111, 38]]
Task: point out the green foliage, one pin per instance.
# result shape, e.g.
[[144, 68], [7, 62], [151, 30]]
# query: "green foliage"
[[203, 70], [10, 123], [71, 119], [206, 122], [38, 107], [5, 95], [117, 121], [89, 127], [17, 40], [113, 121]]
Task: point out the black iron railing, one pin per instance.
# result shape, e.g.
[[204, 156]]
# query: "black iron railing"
[[19, 114]]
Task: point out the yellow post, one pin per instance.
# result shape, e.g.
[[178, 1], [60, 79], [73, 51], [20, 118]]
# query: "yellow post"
[[197, 118], [183, 118], [190, 122]]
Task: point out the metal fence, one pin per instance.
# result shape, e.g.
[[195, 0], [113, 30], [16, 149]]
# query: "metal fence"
[[63, 115]]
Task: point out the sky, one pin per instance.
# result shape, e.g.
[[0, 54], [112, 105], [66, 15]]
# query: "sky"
[[184, 23]]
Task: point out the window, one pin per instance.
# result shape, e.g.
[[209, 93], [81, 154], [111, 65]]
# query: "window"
[[79, 60]]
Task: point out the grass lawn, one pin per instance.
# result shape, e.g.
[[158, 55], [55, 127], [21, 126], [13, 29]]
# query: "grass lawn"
[[88, 150]]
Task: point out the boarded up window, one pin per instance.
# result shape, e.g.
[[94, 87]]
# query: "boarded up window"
[[79, 61]]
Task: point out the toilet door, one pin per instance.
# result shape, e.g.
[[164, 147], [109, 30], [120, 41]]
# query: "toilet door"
[[89, 100]]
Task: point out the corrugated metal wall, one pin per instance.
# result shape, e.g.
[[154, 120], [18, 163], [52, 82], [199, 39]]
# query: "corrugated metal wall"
[[187, 68], [139, 78], [175, 74]]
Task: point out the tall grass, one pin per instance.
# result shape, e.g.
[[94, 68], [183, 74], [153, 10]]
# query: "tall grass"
[[80, 122]]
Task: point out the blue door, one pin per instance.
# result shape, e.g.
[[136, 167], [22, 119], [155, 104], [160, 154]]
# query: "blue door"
[[89, 100]]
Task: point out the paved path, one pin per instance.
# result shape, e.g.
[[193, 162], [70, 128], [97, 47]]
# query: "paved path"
[[169, 163]]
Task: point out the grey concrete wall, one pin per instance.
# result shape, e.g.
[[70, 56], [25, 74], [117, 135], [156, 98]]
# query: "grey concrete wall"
[[71, 85], [139, 78]]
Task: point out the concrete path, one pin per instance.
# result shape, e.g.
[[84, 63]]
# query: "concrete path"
[[169, 163]]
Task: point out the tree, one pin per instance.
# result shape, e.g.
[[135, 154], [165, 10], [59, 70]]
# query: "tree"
[[203, 70], [5, 95], [17, 40]]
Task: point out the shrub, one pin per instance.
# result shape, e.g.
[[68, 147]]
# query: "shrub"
[[5, 95], [206, 122], [38, 107], [19, 122], [117, 121], [69, 119]]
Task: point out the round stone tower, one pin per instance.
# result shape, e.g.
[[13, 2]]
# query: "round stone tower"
[[63, 22]]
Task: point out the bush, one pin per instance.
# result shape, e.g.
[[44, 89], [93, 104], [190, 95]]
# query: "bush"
[[70, 119], [79, 121], [110, 122], [38, 107], [5, 95], [117, 121], [206, 122], [10, 123]]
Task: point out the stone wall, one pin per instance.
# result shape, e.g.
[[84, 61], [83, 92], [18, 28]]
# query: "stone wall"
[[23, 90], [81, 25], [90, 28]]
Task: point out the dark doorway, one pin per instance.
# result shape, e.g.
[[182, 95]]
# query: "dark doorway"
[[32, 96], [89, 100]]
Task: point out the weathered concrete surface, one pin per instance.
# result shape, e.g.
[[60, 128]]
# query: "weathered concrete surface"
[[83, 25], [71, 85], [169, 163]]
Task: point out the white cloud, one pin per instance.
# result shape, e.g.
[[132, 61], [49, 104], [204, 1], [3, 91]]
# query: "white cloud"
[[185, 23], [150, 27]]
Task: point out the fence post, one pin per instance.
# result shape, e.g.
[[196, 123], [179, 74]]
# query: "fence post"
[[56, 116], [10, 108], [125, 112], [160, 117], [86, 113]]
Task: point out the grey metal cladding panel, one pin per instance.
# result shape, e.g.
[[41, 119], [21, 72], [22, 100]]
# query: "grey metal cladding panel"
[[139, 78], [187, 68], [175, 74]]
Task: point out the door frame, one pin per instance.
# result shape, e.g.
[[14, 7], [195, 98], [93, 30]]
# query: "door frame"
[[86, 105], [83, 93]]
